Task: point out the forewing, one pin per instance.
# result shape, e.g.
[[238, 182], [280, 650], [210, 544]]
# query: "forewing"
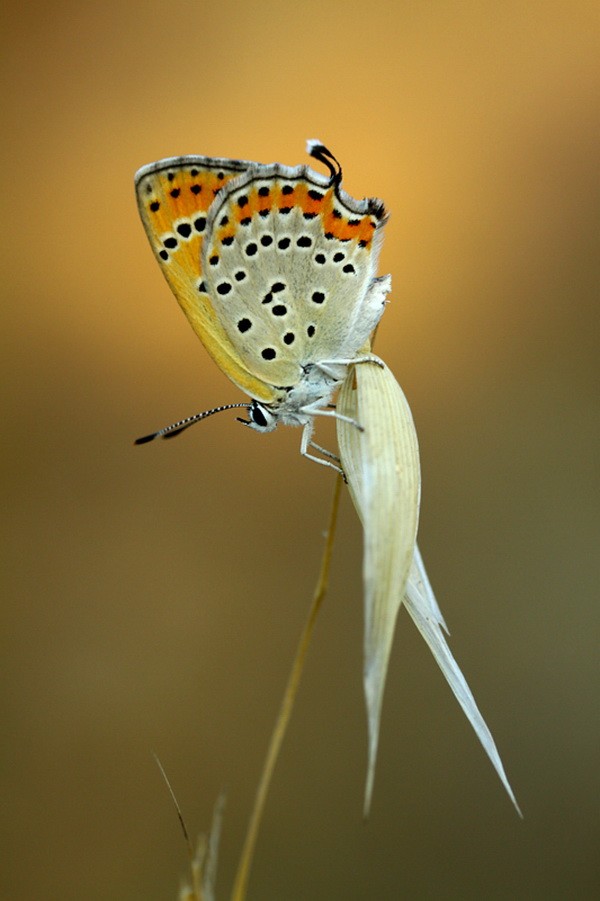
[[174, 199]]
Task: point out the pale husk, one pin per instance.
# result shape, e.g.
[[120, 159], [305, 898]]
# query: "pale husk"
[[381, 463], [422, 606], [382, 467]]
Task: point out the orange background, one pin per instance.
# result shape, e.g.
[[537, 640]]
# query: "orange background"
[[153, 596]]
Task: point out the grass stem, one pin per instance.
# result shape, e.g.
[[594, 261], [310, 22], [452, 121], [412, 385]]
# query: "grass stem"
[[287, 704]]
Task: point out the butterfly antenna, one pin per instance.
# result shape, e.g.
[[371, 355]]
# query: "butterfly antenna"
[[325, 156], [178, 427]]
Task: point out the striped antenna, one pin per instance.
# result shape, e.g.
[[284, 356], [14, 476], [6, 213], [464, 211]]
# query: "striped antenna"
[[178, 427]]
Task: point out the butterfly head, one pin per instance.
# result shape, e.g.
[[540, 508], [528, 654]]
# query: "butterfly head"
[[262, 418]]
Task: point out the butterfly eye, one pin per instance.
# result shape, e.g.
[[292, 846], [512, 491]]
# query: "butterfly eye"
[[261, 416]]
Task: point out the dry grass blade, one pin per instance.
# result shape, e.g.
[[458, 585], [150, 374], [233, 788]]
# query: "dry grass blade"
[[422, 607], [203, 861], [382, 467]]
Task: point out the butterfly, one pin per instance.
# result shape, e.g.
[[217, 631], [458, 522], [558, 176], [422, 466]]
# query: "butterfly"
[[274, 267]]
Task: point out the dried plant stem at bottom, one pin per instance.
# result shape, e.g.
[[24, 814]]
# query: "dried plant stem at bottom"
[[287, 704]]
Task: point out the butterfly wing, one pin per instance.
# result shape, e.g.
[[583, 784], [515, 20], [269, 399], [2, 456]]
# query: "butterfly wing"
[[174, 199], [288, 261]]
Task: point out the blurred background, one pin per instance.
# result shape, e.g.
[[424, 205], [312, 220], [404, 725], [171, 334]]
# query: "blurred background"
[[153, 596]]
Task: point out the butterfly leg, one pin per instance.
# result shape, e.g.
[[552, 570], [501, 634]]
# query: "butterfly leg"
[[307, 442], [326, 365], [314, 410], [324, 451]]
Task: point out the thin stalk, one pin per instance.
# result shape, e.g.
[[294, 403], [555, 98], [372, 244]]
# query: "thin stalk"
[[287, 704]]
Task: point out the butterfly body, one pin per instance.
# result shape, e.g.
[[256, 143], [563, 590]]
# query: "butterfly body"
[[274, 267]]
